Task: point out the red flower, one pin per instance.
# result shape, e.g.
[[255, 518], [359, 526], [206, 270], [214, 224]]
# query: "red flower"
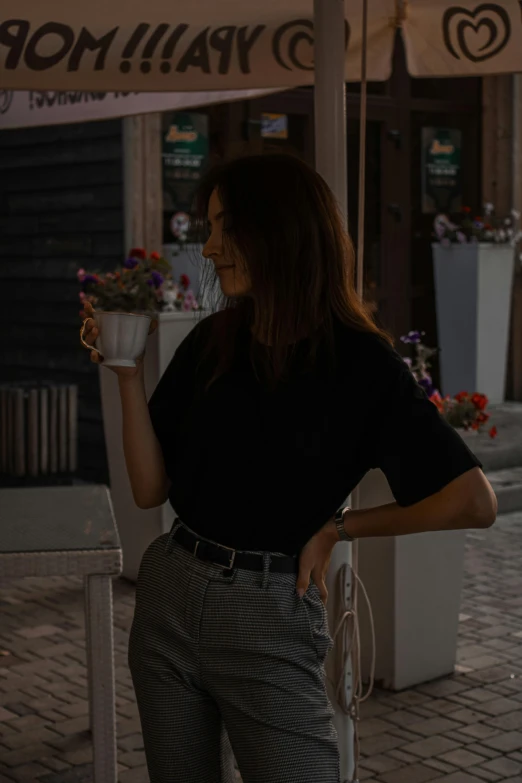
[[466, 210], [155, 256], [478, 220], [462, 396], [436, 399], [482, 417], [138, 252], [493, 432], [475, 425], [480, 401], [184, 281], [488, 227]]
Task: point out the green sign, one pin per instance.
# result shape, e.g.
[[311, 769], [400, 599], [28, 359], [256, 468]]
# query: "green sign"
[[185, 152], [441, 170]]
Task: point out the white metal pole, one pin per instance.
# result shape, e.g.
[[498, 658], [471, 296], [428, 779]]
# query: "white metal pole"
[[330, 162], [516, 196], [330, 97]]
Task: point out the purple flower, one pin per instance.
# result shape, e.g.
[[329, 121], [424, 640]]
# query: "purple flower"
[[130, 263], [461, 237], [155, 279], [88, 280], [411, 338], [427, 384]]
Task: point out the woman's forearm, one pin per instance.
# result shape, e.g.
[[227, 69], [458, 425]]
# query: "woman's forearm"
[[143, 455], [466, 503]]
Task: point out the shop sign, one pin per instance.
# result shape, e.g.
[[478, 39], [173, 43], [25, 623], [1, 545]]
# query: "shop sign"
[[274, 126], [441, 170], [184, 158]]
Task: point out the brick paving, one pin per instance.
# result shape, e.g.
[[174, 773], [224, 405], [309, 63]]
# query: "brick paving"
[[463, 729]]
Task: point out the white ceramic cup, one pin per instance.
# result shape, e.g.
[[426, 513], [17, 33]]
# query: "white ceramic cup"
[[121, 337]]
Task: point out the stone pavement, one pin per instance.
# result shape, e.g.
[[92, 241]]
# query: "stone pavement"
[[463, 729]]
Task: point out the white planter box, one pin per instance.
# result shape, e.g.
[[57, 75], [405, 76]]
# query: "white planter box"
[[473, 285], [414, 585], [138, 528]]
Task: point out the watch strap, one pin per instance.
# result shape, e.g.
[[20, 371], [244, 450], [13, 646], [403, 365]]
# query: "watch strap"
[[339, 524]]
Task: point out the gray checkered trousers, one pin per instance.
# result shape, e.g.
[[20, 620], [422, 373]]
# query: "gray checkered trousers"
[[229, 663]]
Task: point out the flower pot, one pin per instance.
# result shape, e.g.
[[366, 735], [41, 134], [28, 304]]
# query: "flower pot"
[[138, 527], [414, 584], [473, 285]]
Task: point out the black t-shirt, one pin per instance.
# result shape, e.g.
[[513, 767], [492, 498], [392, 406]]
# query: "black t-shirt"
[[255, 469]]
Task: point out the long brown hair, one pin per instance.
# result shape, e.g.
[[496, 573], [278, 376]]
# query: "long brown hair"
[[282, 220]]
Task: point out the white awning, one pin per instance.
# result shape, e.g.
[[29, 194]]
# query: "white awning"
[[464, 38], [24, 108], [109, 58], [124, 45]]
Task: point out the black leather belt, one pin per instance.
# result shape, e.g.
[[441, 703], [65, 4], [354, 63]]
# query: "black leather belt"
[[230, 558]]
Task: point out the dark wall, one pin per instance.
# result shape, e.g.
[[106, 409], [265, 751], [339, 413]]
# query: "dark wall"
[[61, 208]]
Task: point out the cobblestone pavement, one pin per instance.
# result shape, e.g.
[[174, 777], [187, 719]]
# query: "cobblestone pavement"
[[463, 729]]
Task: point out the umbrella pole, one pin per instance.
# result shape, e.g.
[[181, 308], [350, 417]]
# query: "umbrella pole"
[[330, 162], [356, 648], [330, 98]]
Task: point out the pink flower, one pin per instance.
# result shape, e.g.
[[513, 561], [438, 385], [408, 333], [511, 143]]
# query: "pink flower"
[[82, 296], [186, 306], [81, 274]]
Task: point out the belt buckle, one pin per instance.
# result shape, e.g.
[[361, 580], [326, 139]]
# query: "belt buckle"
[[232, 558]]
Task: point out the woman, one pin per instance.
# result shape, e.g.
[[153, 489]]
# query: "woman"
[[269, 414]]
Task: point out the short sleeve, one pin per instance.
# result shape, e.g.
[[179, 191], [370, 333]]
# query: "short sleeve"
[[417, 450], [173, 394]]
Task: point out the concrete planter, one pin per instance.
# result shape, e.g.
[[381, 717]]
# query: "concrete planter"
[[414, 585], [138, 528], [473, 285]]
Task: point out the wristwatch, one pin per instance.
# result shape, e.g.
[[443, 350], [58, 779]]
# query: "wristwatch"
[[339, 524]]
